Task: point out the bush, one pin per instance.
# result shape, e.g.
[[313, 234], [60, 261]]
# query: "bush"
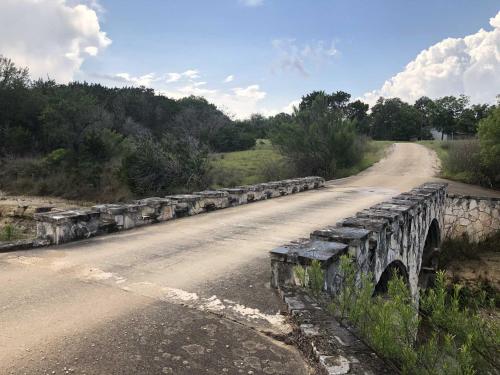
[[319, 140], [464, 160], [160, 168], [455, 340], [489, 138], [7, 233], [312, 277], [276, 169]]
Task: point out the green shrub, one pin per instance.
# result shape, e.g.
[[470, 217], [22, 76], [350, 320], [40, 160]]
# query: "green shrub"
[[319, 140], [489, 138], [311, 277], [7, 233], [444, 338]]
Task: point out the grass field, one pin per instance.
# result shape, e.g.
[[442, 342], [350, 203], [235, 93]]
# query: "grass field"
[[265, 163]]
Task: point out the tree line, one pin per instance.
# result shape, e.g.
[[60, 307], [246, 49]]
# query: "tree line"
[[83, 140]]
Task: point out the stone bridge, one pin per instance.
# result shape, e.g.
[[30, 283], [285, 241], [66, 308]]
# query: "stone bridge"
[[401, 234]]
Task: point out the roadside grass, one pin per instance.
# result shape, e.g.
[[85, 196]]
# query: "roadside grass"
[[441, 148], [460, 161], [244, 167], [264, 163]]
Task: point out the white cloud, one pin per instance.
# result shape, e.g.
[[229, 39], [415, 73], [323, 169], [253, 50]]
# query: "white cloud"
[[289, 108], [252, 3], [298, 58], [144, 80], [250, 92], [50, 37], [469, 65], [237, 102], [173, 77], [229, 78], [190, 74]]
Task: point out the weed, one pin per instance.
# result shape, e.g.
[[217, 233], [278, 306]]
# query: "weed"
[[457, 340], [8, 233], [311, 277]]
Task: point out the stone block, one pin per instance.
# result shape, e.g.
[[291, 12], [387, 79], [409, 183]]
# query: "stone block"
[[65, 226], [187, 204], [214, 199], [237, 196]]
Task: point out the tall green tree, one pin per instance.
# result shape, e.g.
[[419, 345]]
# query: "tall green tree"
[[447, 113], [489, 139], [319, 140], [395, 120]]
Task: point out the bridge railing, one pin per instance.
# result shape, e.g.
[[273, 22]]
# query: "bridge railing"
[[56, 227]]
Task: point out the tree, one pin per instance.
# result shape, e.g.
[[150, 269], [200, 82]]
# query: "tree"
[[489, 139], [394, 119], [357, 111], [470, 117], [319, 140], [426, 108], [447, 112]]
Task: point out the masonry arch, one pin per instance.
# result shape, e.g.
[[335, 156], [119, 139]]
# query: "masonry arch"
[[430, 252], [396, 267]]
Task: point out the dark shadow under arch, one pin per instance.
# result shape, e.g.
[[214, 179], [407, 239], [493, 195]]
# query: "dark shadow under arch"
[[396, 267], [429, 263]]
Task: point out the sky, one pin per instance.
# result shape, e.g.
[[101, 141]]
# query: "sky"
[[262, 56]]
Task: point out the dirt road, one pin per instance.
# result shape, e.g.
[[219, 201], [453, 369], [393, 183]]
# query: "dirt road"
[[189, 296]]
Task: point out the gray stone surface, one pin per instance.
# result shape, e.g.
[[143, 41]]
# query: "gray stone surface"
[[64, 226], [476, 217], [336, 349], [388, 235]]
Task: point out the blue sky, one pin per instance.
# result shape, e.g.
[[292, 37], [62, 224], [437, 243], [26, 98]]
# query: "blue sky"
[[277, 50]]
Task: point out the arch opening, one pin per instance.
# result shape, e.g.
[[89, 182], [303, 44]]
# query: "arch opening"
[[430, 255], [396, 267]]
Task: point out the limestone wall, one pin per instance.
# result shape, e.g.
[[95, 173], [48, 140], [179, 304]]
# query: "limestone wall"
[[58, 227], [477, 217], [385, 235]]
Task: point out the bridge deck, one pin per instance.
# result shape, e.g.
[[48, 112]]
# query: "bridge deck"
[[187, 296]]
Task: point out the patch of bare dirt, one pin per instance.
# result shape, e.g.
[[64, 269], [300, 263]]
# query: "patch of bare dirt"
[[474, 272]]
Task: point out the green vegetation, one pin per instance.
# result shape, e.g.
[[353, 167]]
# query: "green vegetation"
[[320, 139], [461, 252], [442, 338], [489, 140], [84, 140], [260, 164], [87, 141], [264, 163], [9, 233], [475, 160], [311, 276], [373, 152], [396, 120]]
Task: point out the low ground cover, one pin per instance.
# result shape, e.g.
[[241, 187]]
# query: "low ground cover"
[[264, 163]]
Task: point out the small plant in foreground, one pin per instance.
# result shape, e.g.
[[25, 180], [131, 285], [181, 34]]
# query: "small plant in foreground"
[[7, 233], [311, 276]]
